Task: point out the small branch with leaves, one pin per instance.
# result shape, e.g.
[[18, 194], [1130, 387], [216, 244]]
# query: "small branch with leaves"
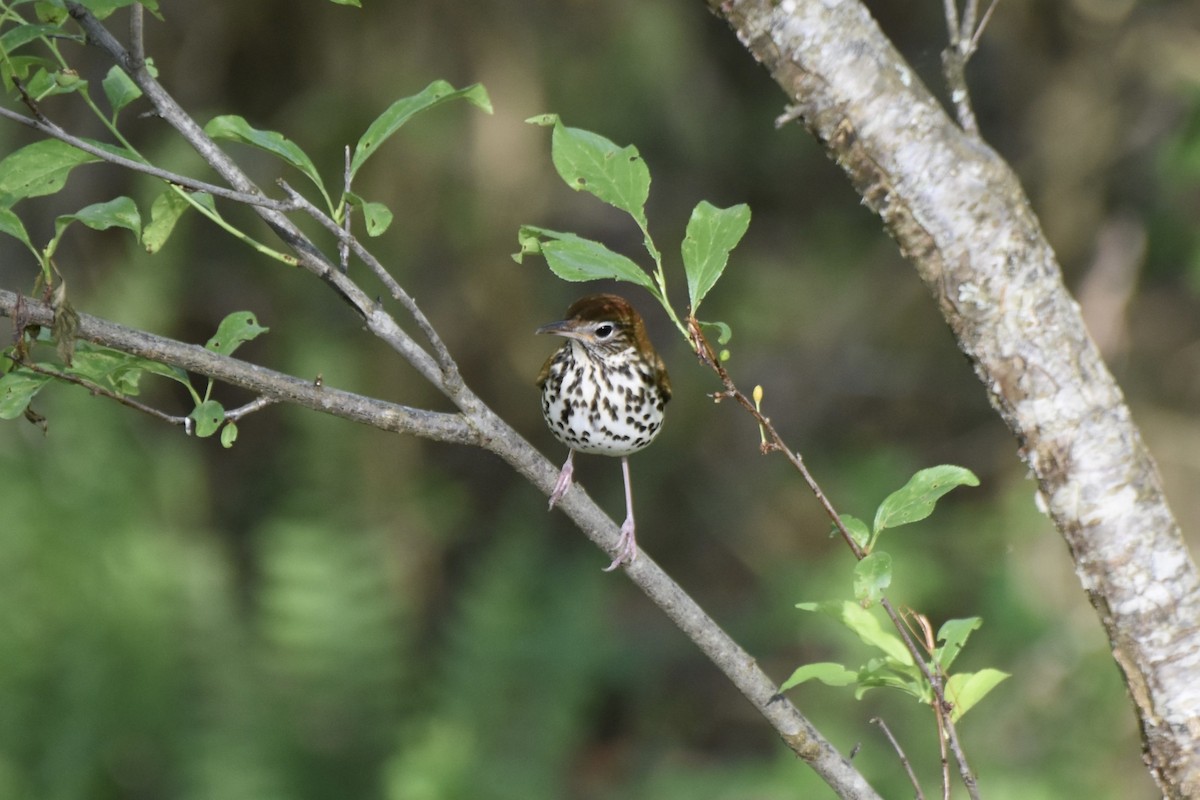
[[618, 176]]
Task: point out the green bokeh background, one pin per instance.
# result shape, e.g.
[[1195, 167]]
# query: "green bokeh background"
[[326, 611]]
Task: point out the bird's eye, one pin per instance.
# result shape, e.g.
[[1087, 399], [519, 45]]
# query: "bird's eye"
[[604, 330]]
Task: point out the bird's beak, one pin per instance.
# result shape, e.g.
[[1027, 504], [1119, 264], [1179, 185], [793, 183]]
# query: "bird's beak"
[[565, 327]]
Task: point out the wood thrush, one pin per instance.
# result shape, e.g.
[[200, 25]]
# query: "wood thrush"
[[603, 392]]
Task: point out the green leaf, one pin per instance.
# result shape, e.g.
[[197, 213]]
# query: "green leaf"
[[120, 89], [826, 672], [165, 211], [52, 81], [872, 575], [229, 433], [17, 389], [237, 129], [120, 212], [38, 169], [574, 258], [864, 625], [20, 67], [165, 370], [52, 11], [967, 688], [11, 224], [116, 370], [103, 8], [953, 633], [21, 35], [589, 162], [109, 368], [376, 216], [236, 329], [406, 108], [857, 528], [885, 673], [916, 499], [354, 3], [712, 233], [208, 416], [724, 332]]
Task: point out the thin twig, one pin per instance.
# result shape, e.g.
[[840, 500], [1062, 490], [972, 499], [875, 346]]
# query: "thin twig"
[[978, 34], [912, 776], [451, 379], [41, 124], [347, 210], [257, 404], [708, 356], [97, 389], [964, 35]]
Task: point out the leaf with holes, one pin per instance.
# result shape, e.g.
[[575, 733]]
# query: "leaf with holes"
[[588, 162], [235, 330], [208, 416]]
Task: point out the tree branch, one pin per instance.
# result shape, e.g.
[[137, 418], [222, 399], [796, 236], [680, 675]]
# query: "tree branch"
[[957, 211], [308, 255], [393, 417]]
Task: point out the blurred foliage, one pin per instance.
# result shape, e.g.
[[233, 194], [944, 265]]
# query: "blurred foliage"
[[324, 612]]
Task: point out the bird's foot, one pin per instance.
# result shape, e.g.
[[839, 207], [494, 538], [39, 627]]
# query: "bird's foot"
[[626, 547], [565, 479]]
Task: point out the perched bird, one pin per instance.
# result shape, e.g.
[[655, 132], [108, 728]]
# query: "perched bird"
[[603, 392]]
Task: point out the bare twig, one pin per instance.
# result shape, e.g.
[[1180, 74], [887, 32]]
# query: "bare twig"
[[257, 404], [451, 379], [347, 212], [964, 36], [912, 776]]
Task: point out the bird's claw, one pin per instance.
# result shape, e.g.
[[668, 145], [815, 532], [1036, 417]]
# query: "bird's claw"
[[627, 550], [565, 479]]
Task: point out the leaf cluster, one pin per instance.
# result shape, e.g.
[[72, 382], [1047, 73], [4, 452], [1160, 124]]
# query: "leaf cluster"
[[894, 666], [588, 162]]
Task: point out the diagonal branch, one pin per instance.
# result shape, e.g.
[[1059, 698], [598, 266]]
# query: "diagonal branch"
[[483, 428]]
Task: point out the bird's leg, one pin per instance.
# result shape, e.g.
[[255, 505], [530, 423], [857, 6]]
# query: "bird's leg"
[[564, 480], [627, 544]]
